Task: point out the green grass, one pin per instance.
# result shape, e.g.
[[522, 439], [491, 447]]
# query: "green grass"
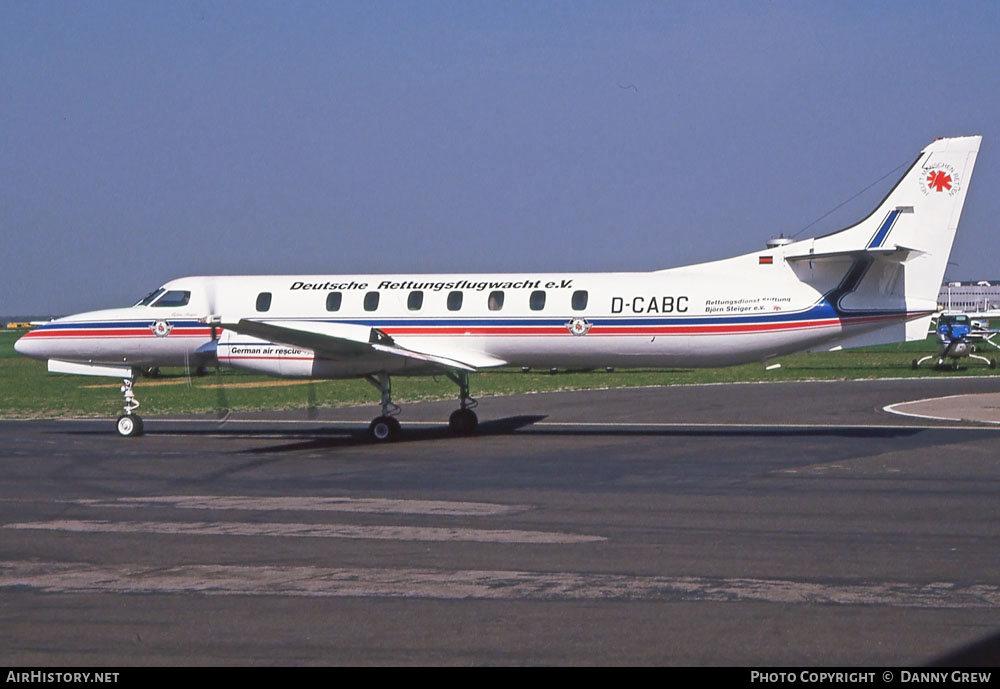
[[28, 390]]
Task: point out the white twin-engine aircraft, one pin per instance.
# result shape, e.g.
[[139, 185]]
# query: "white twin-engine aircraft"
[[875, 282]]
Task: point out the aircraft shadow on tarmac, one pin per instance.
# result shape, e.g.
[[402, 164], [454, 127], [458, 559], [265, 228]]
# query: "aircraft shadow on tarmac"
[[330, 438]]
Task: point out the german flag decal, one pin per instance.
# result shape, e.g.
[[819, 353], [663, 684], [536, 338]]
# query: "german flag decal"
[[766, 260]]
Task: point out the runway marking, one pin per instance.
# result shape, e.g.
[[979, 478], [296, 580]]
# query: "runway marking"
[[300, 581], [896, 409], [350, 531], [319, 504]]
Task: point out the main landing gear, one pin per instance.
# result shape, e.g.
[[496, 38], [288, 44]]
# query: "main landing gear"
[[385, 428], [463, 421], [129, 425]]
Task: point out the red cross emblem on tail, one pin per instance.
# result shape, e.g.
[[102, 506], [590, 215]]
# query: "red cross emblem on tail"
[[939, 181]]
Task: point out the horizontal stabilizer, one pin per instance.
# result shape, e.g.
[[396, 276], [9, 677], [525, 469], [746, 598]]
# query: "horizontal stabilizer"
[[897, 254]]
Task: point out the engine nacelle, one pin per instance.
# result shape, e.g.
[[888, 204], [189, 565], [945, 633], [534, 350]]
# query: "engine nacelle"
[[260, 356]]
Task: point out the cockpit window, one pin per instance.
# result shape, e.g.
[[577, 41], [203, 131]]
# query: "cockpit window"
[[174, 297], [148, 299]]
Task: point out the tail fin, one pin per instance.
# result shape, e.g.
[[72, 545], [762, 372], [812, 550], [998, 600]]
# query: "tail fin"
[[901, 250]]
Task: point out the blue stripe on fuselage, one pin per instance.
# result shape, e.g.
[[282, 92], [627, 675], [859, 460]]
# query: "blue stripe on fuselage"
[[85, 325]]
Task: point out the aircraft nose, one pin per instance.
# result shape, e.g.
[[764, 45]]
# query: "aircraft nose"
[[28, 346], [31, 344]]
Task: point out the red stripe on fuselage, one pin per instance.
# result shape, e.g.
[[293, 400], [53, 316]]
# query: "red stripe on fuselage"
[[701, 329], [77, 333]]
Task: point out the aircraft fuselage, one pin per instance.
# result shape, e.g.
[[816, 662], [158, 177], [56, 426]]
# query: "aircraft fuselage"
[[679, 317]]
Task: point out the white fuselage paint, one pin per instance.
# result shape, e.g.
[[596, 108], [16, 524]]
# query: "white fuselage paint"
[[681, 317]]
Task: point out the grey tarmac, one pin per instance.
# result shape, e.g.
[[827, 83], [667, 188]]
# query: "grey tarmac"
[[756, 524]]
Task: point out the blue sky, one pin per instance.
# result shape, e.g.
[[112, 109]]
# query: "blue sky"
[[146, 141]]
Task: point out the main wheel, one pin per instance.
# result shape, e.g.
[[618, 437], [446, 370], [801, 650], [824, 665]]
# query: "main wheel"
[[915, 364], [129, 425], [463, 421], [993, 363], [384, 429]]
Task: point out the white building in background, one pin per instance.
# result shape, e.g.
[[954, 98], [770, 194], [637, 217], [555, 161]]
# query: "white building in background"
[[978, 298]]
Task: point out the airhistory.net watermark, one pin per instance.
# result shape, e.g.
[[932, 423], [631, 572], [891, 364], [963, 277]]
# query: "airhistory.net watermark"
[[43, 676]]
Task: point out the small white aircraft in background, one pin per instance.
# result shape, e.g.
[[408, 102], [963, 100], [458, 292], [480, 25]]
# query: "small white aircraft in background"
[[875, 282]]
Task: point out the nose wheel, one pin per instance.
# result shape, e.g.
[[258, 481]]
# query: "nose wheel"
[[129, 425]]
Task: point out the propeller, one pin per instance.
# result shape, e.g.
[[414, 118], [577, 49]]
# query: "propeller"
[[311, 397], [222, 410], [214, 320]]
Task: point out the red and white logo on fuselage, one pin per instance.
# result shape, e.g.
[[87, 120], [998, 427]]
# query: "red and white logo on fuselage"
[[161, 328]]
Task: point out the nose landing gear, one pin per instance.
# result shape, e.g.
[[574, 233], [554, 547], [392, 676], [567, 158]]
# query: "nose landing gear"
[[129, 425]]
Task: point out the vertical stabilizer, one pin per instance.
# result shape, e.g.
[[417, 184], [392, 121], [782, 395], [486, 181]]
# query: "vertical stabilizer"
[[893, 261], [916, 221]]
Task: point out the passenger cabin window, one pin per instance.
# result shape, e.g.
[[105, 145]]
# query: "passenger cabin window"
[[496, 301], [580, 298], [333, 301], [264, 301], [415, 300], [174, 297], [537, 300], [371, 301], [454, 301]]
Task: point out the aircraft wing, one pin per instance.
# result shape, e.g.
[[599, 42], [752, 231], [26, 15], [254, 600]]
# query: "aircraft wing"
[[346, 341]]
